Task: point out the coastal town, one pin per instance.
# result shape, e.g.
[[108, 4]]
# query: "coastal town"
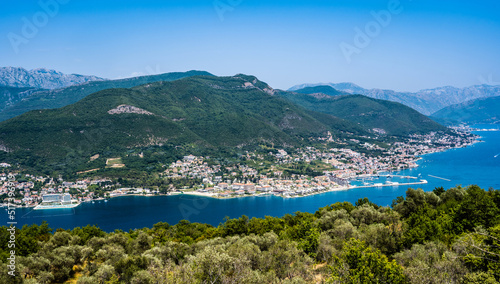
[[304, 172]]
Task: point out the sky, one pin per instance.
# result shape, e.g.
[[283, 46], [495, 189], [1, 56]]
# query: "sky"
[[404, 45]]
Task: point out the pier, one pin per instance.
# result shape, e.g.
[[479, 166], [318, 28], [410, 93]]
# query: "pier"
[[392, 184], [386, 176], [445, 179]]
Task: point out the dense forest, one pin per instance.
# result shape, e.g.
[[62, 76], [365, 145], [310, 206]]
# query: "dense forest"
[[444, 236]]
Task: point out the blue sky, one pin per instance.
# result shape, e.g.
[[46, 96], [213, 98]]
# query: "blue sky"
[[411, 45]]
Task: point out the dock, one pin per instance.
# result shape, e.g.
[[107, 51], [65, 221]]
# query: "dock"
[[386, 176], [392, 184], [445, 179]]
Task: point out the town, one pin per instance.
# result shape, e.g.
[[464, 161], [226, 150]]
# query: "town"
[[306, 171]]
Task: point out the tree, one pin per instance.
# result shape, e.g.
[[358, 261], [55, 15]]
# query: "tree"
[[476, 209], [361, 264], [431, 262]]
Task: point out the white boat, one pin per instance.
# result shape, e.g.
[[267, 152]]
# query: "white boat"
[[56, 206], [57, 201]]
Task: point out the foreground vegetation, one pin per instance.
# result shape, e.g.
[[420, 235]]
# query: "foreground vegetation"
[[450, 236]]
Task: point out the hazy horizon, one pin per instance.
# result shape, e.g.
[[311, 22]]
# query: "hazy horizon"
[[396, 45]]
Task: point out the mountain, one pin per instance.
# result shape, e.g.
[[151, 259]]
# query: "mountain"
[[207, 111], [377, 115], [41, 78], [483, 110], [49, 99], [327, 90], [425, 101], [11, 95]]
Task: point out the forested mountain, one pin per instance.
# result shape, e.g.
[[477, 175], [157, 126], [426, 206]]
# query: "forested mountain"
[[377, 115], [484, 110], [50, 99], [442, 236], [206, 111], [327, 90], [41, 78], [425, 101], [11, 95]]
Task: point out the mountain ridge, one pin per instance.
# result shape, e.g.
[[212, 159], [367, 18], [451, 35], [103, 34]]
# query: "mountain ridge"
[[50, 99], [379, 116], [478, 111], [202, 111], [41, 78], [426, 101]]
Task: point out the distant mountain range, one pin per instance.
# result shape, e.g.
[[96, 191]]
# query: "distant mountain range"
[[190, 109], [49, 99], [41, 78], [425, 101], [483, 110]]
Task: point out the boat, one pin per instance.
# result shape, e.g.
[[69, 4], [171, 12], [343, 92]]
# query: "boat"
[[57, 201], [67, 206]]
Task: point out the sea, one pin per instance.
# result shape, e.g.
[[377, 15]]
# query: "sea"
[[477, 164]]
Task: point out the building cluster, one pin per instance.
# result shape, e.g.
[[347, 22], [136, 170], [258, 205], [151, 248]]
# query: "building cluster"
[[30, 189], [275, 186], [338, 166]]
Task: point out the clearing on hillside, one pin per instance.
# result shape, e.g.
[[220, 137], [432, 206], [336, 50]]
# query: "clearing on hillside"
[[114, 163]]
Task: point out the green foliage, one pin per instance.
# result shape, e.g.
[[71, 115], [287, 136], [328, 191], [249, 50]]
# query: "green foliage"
[[415, 242], [358, 263], [479, 111], [477, 209], [48, 99], [12, 95], [327, 90], [394, 118], [205, 112], [431, 262]]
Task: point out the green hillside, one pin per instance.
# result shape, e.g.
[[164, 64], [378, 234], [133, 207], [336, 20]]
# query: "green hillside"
[[12, 95], [50, 99], [426, 237], [207, 111], [484, 110], [394, 118], [323, 89]]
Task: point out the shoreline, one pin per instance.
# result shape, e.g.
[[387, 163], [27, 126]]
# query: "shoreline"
[[342, 188]]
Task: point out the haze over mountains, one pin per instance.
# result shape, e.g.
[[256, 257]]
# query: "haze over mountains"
[[425, 101]]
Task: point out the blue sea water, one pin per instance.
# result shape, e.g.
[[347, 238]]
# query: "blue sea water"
[[478, 164]]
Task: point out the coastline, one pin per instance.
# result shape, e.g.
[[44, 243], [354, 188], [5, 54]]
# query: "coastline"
[[340, 188]]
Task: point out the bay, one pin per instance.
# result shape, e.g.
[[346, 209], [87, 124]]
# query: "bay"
[[477, 164]]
